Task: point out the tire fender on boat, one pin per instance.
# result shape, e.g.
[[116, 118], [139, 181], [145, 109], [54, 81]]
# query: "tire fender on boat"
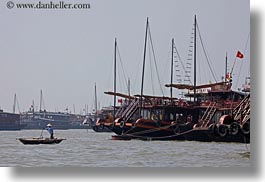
[[101, 126], [95, 128], [212, 127], [221, 130], [234, 128], [177, 129], [133, 124], [245, 128], [122, 124]]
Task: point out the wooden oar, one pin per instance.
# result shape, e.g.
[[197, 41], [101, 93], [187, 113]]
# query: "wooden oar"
[[41, 133]]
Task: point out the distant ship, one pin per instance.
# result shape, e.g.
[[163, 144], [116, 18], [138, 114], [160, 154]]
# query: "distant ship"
[[59, 120], [9, 121], [33, 119]]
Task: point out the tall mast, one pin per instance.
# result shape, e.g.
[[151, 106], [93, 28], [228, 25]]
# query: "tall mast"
[[14, 105], [40, 99], [142, 85], [225, 66], [129, 87], [33, 106], [195, 26], [172, 59], [96, 102], [74, 108], [115, 62]]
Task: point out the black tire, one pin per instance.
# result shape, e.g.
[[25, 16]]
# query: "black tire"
[[95, 128], [101, 126], [245, 128], [177, 129], [221, 130], [133, 125], [234, 128], [212, 127], [122, 124]]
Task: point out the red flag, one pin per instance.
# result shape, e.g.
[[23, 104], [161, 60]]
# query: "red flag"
[[120, 101], [239, 55], [227, 76]]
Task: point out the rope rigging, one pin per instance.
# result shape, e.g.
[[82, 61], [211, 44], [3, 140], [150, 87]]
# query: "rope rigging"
[[154, 57], [246, 45], [122, 67], [151, 72], [182, 64], [206, 55]]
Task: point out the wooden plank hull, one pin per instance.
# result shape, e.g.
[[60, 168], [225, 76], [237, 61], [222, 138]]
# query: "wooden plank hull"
[[36, 141]]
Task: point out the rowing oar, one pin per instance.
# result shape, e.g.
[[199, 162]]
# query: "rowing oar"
[[41, 133]]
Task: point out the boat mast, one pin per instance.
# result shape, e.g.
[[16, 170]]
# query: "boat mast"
[[14, 105], [129, 87], [172, 59], [226, 67], [142, 85], [114, 84], [74, 108], [96, 102], [195, 25], [40, 99], [33, 106]]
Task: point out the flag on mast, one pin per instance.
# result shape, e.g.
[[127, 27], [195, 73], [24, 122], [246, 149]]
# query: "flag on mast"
[[239, 55]]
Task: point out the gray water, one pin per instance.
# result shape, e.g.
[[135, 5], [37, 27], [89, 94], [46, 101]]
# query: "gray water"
[[90, 149]]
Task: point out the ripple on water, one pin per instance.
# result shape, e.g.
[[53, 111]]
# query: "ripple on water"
[[84, 148]]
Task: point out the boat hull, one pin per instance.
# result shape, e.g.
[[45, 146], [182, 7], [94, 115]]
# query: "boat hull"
[[206, 135], [36, 141]]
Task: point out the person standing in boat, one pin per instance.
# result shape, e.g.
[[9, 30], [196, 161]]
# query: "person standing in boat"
[[50, 130]]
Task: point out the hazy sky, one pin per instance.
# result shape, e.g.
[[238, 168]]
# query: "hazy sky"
[[64, 52]]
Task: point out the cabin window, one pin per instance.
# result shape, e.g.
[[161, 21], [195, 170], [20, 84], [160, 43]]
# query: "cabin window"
[[171, 116], [157, 115], [217, 117], [146, 114]]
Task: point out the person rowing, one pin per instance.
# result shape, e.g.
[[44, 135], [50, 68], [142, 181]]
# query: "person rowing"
[[50, 130]]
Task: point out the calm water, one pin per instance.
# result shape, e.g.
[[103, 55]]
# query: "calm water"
[[87, 148]]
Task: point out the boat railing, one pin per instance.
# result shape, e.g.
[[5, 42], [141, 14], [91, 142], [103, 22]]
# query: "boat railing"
[[130, 108], [208, 115], [131, 111], [242, 110]]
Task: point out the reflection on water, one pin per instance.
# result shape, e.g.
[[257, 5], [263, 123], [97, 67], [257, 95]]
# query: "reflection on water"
[[84, 148], [245, 155]]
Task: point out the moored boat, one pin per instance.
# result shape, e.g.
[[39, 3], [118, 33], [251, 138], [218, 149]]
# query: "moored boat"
[[217, 113]]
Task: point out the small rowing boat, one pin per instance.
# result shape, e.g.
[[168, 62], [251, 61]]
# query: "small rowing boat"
[[35, 141]]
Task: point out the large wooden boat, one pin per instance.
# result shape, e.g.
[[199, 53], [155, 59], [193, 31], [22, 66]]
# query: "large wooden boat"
[[216, 114]]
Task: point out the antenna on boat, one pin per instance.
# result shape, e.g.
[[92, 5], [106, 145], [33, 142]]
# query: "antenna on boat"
[[195, 25], [114, 84], [142, 85]]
